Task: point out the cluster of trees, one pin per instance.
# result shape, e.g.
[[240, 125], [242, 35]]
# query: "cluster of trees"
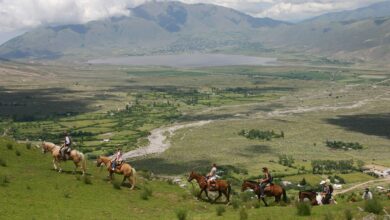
[[262, 135], [344, 145], [286, 160], [330, 166]]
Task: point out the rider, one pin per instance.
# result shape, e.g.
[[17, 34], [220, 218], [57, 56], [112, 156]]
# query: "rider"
[[327, 191], [117, 159], [66, 146], [266, 180], [212, 175], [367, 195]]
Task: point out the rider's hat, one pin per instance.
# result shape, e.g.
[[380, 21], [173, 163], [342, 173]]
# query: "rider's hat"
[[265, 169], [322, 182], [327, 181]]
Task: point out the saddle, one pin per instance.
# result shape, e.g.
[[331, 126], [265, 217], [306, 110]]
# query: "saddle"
[[269, 187], [66, 155]]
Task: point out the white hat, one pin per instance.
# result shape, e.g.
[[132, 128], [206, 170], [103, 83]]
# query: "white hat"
[[322, 182]]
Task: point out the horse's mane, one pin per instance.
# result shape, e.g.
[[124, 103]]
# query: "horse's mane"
[[251, 181]]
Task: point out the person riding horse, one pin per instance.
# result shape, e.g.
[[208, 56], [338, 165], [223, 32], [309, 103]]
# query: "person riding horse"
[[65, 148], [212, 176], [265, 181], [117, 159], [327, 191]]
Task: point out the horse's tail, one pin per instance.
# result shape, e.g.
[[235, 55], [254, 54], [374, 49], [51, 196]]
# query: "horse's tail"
[[229, 190], [83, 162], [133, 177], [285, 195]]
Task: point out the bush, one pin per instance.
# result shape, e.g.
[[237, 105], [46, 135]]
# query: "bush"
[[4, 181], [243, 214], [236, 203], [195, 191], [146, 193], [17, 152], [116, 185], [28, 146], [181, 214], [3, 163], [67, 195], [303, 208], [348, 214], [87, 180], [328, 216], [246, 196], [220, 210], [10, 146], [373, 206]]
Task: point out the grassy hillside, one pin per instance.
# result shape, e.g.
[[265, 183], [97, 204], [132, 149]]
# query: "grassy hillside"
[[31, 190]]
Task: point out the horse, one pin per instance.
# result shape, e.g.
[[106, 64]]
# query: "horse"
[[125, 169], [221, 186], [311, 196], [77, 157], [272, 190]]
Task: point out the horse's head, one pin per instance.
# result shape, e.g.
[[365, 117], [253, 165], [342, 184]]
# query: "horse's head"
[[192, 176], [248, 184], [99, 161], [44, 147]]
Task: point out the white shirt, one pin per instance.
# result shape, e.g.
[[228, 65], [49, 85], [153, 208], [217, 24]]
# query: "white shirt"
[[67, 140], [367, 196]]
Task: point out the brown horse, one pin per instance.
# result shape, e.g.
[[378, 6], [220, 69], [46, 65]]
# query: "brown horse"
[[272, 190], [124, 169], [310, 195], [77, 157], [221, 186]]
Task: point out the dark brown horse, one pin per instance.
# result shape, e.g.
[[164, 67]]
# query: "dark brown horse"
[[272, 190], [221, 186], [310, 195]]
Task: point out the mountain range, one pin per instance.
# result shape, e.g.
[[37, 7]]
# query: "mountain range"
[[173, 27]]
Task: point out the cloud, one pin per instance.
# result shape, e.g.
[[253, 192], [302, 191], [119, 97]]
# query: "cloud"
[[25, 14]]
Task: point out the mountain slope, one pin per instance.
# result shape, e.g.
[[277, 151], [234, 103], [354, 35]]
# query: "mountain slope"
[[157, 27], [381, 9]]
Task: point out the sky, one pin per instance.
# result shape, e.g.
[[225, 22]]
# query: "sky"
[[18, 16]]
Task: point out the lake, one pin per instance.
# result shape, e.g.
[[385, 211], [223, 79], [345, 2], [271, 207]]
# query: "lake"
[[187, 60]]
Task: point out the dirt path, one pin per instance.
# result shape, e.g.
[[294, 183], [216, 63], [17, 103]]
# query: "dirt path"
[[361, 185], [158, 139]]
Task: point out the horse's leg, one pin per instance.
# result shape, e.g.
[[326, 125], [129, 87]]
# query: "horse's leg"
[[54, 164], [124, 179], [200, 193], [76, 165], [207, 193], [277, 198], [226, 193], [219, 196], [265, 203]]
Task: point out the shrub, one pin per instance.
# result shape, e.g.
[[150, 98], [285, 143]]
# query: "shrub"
[[246, 196], [220, 210], [328, 216], [67, 195], [28, 187], [17, 152], [348, 214], [303, 208], [78, 177], [3, 163], [195, 191], [256, 204], [243, 214], [4, 180], [116, 185], [236, 203], [181, 214], [28, 146], [373, 206], [146, 193], [87, 180], [10, 146]]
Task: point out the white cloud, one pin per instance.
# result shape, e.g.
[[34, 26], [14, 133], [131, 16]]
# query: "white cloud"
[[25, 14]]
